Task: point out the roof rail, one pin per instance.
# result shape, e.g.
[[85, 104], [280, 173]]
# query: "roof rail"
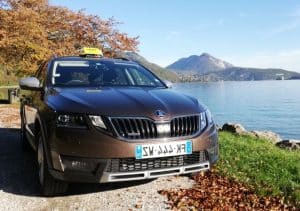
[[122, 58]]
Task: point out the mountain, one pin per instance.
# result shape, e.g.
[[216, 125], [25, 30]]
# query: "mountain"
[[199, 64], [208, 68], [159, 71], [249, 74]]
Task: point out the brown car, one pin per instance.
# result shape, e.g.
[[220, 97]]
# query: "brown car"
[[109, 120]]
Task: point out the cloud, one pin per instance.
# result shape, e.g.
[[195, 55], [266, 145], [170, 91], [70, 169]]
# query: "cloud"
[[285, 59]]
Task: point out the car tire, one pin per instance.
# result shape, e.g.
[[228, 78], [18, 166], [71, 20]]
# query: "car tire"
[[49, 185]]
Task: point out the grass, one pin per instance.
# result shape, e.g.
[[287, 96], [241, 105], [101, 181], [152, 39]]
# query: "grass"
[[269, 170]]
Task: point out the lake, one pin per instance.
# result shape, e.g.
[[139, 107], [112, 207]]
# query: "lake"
[[257, 105]]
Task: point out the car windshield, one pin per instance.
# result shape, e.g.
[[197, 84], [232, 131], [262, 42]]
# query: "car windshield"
[[102, 73]]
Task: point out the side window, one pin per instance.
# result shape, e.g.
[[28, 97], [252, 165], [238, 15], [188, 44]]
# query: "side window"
[[121, 78], [140, 77]]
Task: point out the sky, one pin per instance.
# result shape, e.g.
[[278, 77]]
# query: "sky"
[[251, 33]]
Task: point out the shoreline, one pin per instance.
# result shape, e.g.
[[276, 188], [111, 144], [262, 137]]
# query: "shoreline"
[[272, 137]]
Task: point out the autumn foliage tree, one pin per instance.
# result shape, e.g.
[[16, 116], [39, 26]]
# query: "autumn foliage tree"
[[32, 31]]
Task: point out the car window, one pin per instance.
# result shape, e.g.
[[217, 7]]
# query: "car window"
[[141, 77], [104, 73]]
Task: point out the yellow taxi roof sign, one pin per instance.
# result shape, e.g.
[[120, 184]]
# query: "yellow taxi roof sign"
[[86, 51]]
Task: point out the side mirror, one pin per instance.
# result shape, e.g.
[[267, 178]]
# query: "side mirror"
[[30, 83], [169, 84]]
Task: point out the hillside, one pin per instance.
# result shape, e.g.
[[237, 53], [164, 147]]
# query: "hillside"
[[208, 68], [161, 72], [248, 74]]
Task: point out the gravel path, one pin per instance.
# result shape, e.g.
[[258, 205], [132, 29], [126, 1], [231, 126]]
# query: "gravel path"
[[19, 189]]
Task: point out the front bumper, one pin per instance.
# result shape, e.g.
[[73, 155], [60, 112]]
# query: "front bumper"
[[96, 165], [150, 174], [128, 176]]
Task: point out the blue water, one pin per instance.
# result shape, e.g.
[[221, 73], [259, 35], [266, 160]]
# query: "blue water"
[[257, 105]]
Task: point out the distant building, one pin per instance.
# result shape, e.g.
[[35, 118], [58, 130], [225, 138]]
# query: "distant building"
[[280, 76]]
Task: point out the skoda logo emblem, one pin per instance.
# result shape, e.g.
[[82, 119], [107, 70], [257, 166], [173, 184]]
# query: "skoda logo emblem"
[[160, 113]]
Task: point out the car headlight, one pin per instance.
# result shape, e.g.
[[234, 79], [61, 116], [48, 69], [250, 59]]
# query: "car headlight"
[[71, 121], [97, 121], [203, 122], [209, 117], [205, 119]]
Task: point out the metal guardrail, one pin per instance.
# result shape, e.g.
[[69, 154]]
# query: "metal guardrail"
[[9, 87]]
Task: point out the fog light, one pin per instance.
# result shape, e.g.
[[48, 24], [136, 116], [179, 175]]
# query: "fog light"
[[78, 165]]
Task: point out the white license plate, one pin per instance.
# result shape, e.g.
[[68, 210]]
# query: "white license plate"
[[163, 149]]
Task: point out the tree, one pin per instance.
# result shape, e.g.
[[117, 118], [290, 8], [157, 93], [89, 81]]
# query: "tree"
[[31, 31]]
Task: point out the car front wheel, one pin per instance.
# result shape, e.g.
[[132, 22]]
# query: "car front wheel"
[[49, 185]]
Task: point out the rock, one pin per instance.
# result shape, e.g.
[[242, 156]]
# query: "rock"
[[138, 206], [272, 137], [291, 144], [234, 128], [219, 128], [268, 135]]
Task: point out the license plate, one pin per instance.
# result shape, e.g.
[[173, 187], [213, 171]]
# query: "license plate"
[[163, 149]]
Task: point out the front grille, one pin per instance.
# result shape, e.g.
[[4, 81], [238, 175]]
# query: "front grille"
[[184, 126], [135, 128], [143, 128], [132, 164]]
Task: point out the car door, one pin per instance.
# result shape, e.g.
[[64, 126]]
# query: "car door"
[[30, 103]]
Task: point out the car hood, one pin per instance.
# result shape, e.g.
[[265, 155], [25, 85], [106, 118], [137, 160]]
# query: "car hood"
[[110, 101]]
